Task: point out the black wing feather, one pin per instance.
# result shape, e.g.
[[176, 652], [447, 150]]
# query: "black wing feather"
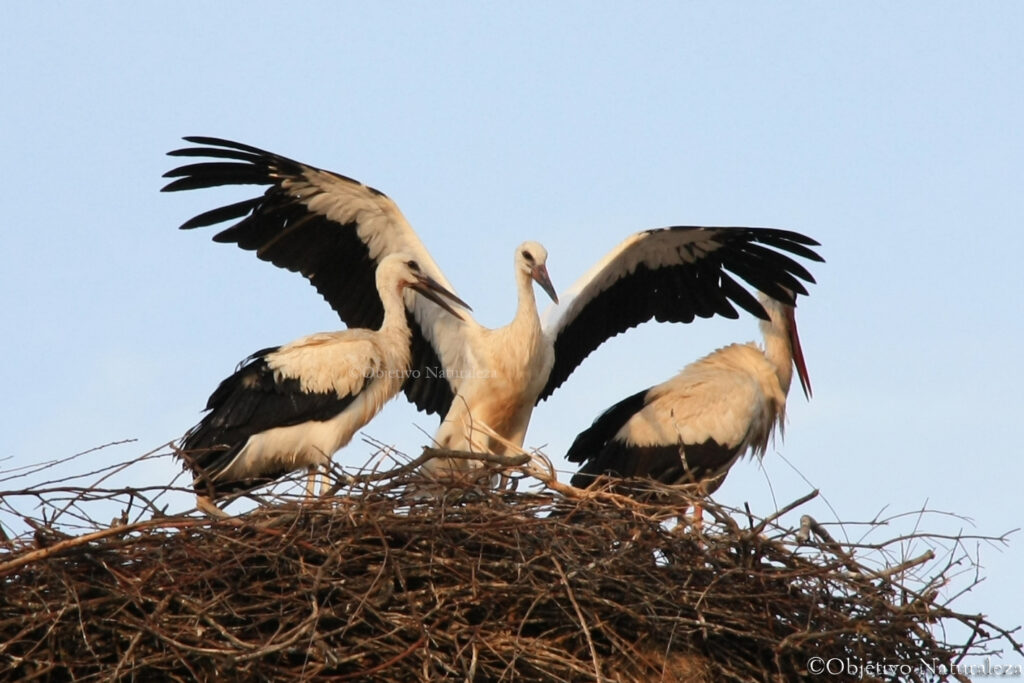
[[666, 463], [700, 288], [741, 296], [426, 386], [224, 213], [253, 400], [214, 174], [591, 441], [280, 228], [794, 243]]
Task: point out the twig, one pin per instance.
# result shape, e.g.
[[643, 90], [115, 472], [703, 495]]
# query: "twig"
[[65, 545], [583, 622]]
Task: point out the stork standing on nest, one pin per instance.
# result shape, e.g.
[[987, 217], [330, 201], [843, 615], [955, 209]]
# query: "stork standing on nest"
[[693, 427], [485, 382], [291, 407]]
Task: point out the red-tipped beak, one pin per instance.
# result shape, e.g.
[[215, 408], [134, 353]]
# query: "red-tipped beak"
[[540, 275], [798, 353]]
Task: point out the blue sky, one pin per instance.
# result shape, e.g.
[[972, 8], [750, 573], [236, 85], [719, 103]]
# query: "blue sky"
[[890, 133]]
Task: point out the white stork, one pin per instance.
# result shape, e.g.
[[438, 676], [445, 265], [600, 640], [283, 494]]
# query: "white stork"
[[293, 406], [335, 231], [693, 427]]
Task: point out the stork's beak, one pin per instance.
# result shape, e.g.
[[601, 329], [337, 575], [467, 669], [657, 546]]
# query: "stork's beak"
[[541, 277], [431, 289], [798, 353]]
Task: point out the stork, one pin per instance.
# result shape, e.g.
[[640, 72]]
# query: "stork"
[[293, 406], [693, 427], [485, 382]]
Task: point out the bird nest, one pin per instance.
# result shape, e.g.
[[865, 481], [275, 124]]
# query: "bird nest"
[[480, 585]]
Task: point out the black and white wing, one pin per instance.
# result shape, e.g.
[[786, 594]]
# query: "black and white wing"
[[330, 228], [673, 275], [257, 398]]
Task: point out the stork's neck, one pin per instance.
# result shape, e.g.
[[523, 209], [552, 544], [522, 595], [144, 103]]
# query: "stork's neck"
[[777, 345], [526, 311], [395, 322]]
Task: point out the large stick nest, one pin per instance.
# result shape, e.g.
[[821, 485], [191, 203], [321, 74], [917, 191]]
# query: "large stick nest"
[[372, 584]]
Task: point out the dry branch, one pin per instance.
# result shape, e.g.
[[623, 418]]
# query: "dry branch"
[[373, 584]]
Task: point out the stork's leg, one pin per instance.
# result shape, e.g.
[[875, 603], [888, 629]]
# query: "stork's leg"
[[311, 482], [204, 504], [698, 518], [325, 480]]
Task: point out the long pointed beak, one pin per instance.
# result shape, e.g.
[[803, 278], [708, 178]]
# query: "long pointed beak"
[[432, 290], [541, 277], [798, 353]]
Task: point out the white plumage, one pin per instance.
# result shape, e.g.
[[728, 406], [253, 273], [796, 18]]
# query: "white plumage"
[[293, 406], [693, 427], [502, 372], [335, 231]]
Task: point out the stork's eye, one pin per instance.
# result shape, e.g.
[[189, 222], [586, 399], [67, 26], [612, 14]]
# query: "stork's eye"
[[528, 256], [413, 266]]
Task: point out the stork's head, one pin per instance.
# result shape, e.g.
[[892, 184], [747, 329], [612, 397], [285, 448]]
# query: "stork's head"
[[532, 259], [402, 270]]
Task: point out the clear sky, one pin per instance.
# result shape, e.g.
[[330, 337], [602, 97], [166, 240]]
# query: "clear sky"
[[892, 133]]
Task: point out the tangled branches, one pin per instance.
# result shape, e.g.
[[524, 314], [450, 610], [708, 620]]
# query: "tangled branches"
[[553, 586]]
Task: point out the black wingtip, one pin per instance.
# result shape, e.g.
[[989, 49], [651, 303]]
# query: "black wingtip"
[[229, 144], [592, 440], [210, 140]]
